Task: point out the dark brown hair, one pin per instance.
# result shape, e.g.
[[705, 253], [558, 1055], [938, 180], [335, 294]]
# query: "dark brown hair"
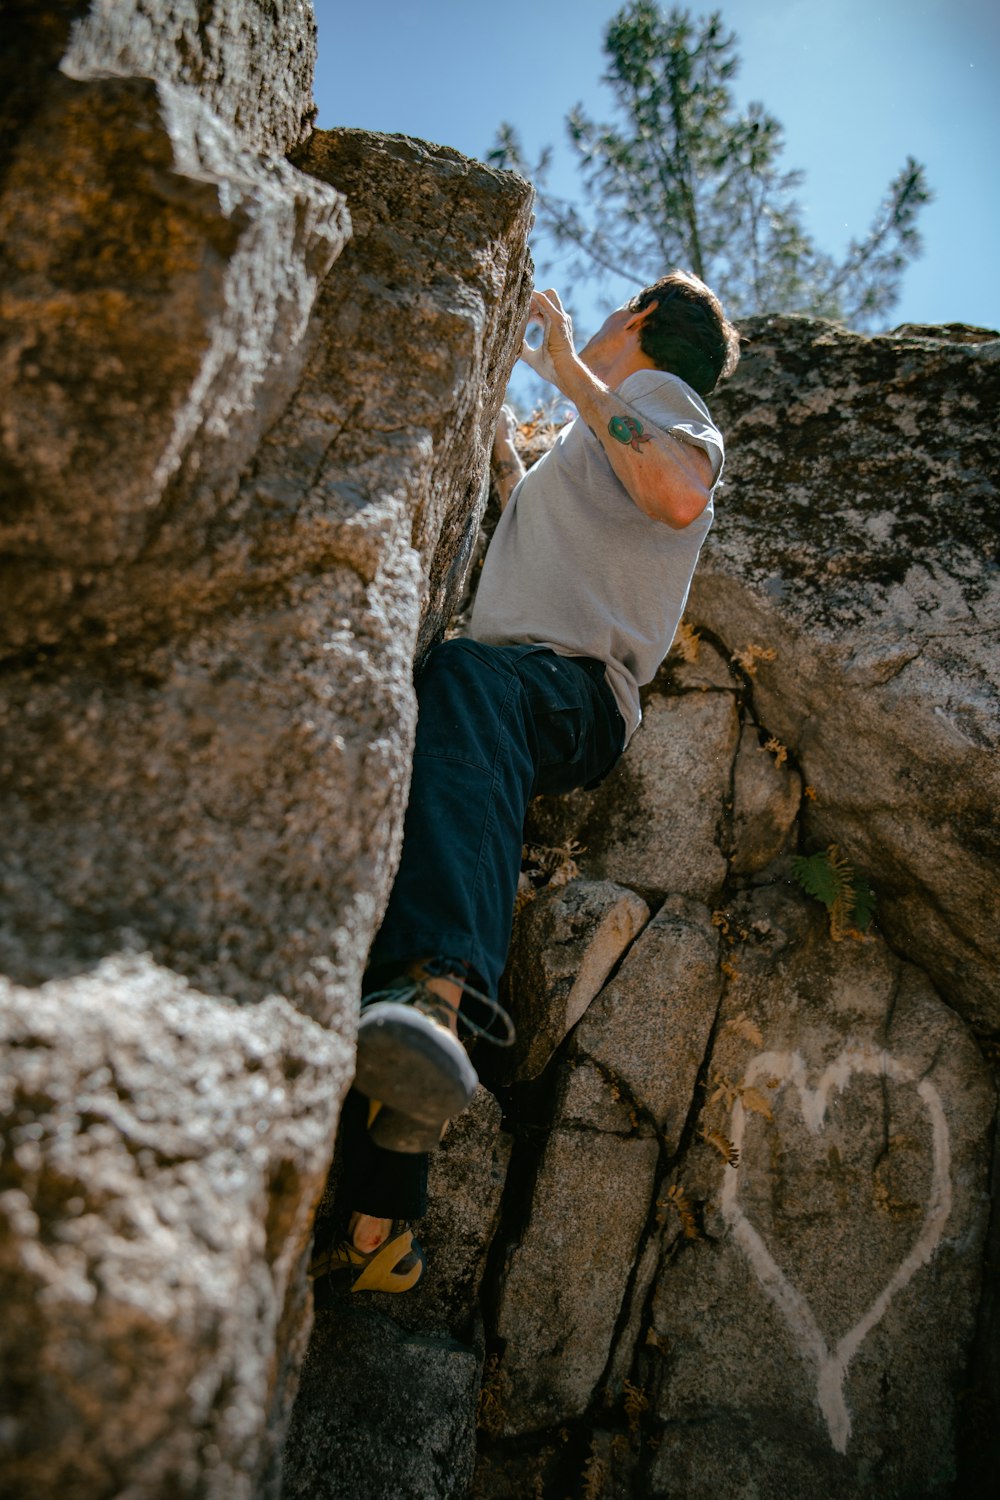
[[687, 334]]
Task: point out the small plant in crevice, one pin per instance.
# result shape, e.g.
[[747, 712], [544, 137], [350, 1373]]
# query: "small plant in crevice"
[[636, 1405], [686, 642], [726, 1093], [831, 878], [749, 659], [595, 1474], [777, 749], [490, 1405], [675, 1198], [742, 1026], [748, 1096], [544, 865], [721, 1143]]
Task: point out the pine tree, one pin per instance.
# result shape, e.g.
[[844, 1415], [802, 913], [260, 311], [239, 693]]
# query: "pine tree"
[[684, 178]]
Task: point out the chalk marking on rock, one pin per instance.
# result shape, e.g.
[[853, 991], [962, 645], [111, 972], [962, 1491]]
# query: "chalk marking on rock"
[[832, 1364]]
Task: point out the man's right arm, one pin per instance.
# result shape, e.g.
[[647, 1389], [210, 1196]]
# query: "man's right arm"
[[506, 467]]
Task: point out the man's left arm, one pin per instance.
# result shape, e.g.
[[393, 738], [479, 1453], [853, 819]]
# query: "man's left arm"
[[669, 480]]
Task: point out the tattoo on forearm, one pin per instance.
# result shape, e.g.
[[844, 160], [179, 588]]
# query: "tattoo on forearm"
[[628, 430], [506, 467]]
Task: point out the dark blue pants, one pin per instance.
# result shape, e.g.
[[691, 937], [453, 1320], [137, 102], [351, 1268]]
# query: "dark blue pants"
[[497, 726]]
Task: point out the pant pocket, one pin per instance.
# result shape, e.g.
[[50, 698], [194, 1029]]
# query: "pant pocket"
[[561, 751]]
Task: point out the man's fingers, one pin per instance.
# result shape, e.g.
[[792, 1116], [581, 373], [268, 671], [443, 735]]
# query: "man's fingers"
[[547, 303]]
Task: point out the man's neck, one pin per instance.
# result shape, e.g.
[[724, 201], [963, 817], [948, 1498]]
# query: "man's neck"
[[612, 371]]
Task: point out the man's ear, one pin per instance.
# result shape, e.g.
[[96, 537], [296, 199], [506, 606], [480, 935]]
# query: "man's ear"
[[637, 319]]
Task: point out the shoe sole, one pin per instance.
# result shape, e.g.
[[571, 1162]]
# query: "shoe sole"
[[395, 1131], [412, 1064]]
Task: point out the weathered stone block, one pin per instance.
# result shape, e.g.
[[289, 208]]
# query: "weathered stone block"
[[465, 1183], [564, 1282], [857, 543], [565, 944], [835, 1296], [162, 1154], [647, 1032], [251, 61], [766, 798], [158, 278], [655, 823], [382, 1413]]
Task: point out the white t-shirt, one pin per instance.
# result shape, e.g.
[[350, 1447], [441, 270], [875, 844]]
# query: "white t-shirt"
[[575, 565]]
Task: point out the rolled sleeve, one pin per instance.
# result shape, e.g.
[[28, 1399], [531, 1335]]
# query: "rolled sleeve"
[[670, 404]]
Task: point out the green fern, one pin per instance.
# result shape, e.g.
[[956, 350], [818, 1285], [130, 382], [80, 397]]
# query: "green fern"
[[847, 896]]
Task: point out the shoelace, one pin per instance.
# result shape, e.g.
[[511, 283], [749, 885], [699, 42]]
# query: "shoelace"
[[409, 991]]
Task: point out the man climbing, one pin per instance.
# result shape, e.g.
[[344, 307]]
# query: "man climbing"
[[583, 587]]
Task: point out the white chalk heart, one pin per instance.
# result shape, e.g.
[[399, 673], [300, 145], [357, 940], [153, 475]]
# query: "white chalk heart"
[[832, 1364]]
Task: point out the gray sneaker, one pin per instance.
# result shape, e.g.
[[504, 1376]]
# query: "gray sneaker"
[[411, 1060]]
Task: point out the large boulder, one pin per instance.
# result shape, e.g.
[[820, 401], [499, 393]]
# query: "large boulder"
[[808, 1283], [162, 1150], [564, 945], [159, 267], [757, 1222], [820, 1325], [236, 506], [251, 61], [852, 571]]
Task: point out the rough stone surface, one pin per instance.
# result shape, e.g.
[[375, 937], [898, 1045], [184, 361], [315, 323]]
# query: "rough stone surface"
[[382, 1413], [821, 1326], [251, 61], [564, 946], [419, 331], [856, 539], [216, 766], [234, 532], [564, 1282], [654, 824], [465, 1183], [209, 643], [158, 277], [803, 1321], [162, 1152], [766, 797], [648, 1031]]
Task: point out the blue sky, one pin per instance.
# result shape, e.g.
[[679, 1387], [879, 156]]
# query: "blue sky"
[[857, 84]]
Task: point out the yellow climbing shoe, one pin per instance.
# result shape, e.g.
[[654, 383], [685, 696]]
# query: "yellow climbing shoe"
[[394, 1266]]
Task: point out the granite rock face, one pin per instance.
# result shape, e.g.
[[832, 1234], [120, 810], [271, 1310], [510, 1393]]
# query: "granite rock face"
[[382, 1412], [251, 61], [808, 1239], [567, 942], [823, 1324], [722, 1226], [756, 1227], [760, 1162], [281, 707], [158, 276], [856, 540], [232, 495], [161, 1154], [657, 822]]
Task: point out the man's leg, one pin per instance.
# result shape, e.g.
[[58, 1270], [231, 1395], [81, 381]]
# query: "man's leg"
[[473, 771], [496, 725]]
